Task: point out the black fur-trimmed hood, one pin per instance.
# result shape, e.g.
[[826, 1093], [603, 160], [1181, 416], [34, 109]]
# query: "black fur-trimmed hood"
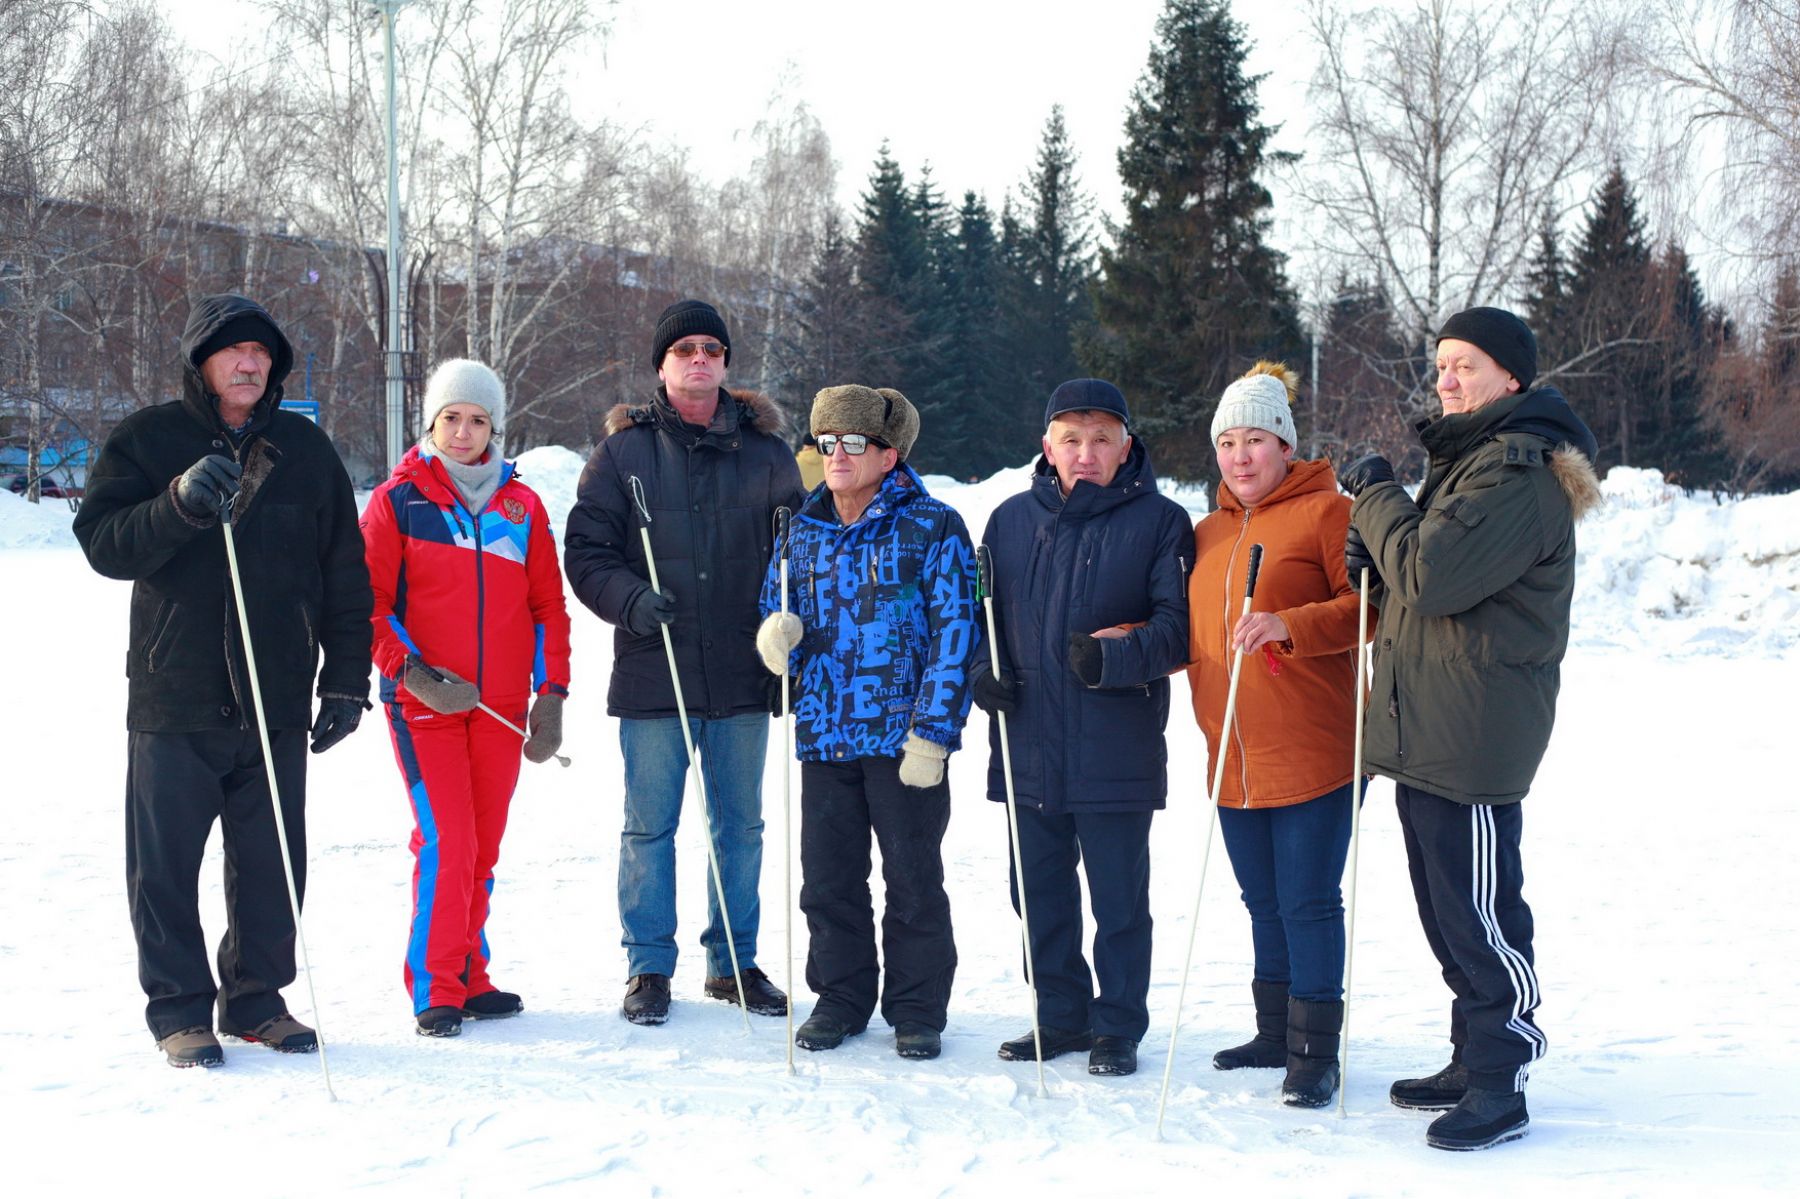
[[738, 408]]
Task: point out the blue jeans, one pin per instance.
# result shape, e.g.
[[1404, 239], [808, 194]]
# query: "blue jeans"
[[731, 754], [1289, 864]]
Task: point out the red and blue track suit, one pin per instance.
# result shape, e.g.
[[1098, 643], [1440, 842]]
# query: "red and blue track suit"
[[481, 596]]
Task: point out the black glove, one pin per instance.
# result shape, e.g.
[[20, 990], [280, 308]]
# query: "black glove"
[[649, 611], [208, 485], [1357, 557], [993, 694], [1086, 658], [1364, 473], [773, 695], [338, 718]]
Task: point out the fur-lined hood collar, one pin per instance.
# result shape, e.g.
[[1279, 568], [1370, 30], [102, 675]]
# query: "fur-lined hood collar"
[[738, 408]]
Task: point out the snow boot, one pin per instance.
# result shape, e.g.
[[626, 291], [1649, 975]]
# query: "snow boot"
[[492, 1005], [1481, 1120], [192, 1047], [1268, 1048], [1312, 1053], [823, 1030], [1113, 1055], [1057, 1041], [762, 997], [1434, 1093], [647, 999], [282, 1033], [442, 1021], [917, 1040]]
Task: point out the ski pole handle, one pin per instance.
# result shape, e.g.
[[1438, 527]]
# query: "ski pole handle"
[[639, 502], [783, 518], [1256, 556]]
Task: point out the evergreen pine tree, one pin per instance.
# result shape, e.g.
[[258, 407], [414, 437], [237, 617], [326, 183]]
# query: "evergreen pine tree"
[[836, 331], [1191, 293], [1610, 318], [1690, 333], [1547, 297], [1056, 258]]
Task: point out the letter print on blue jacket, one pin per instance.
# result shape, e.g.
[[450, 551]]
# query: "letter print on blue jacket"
[[888, 606]]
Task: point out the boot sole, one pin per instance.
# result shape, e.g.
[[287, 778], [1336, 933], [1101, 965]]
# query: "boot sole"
[[646, 1017], [1499, 1138], [440, 1033], [472, 1014]]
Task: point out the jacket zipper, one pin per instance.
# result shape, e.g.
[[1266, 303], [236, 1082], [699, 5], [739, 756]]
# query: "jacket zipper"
[[1237, 735], [480, 597]]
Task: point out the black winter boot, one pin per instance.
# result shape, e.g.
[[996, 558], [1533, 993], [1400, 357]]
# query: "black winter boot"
[[1434, 1093], [1481, 1120], [1312, 1053], [1268, 1048]]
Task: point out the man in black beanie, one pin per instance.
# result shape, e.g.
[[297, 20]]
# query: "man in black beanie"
[[714, 468], [1473, 581], [151, 515]]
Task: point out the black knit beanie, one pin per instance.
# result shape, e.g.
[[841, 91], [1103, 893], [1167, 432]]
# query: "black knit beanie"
[[245, 326], [684, 318], [1504, 336]]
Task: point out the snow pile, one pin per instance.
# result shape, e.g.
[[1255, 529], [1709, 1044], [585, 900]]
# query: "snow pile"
[[1679, 573], [552, 472], [24, 525]]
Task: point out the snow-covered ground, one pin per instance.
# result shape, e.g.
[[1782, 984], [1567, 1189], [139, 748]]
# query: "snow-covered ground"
[[1659, 865]]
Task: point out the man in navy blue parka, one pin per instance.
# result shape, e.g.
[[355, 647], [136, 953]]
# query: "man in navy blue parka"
[[1090, 587]]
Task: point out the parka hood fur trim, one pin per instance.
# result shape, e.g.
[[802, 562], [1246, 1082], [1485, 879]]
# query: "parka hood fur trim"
[[1575, 474], [763, 414]]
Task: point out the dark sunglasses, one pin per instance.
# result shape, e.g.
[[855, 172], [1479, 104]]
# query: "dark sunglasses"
[[855, 444], [688, 349]]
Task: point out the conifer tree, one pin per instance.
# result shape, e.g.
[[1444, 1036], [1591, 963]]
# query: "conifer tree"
[[1056, 258], [1609, 356], [1192, 292]]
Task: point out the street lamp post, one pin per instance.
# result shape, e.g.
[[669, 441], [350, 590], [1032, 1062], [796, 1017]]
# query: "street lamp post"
[[396, 363]]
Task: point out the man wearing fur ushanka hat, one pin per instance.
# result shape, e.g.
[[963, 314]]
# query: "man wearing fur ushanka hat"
[[876, 629]]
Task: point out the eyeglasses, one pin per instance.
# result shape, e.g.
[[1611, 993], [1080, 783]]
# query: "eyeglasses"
[[687, 349], [855, 444]]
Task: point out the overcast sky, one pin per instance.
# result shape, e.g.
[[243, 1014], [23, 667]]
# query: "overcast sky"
[[963, 84]]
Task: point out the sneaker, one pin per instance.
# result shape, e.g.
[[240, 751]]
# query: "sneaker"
[[1113, 1055], [1481, 1120], [647, 999], [1057, 1041], [1434, 1093], [444, 1021], [282, 1033], [823, 1030], [916, 1040], [192, 1047], [762, 997], [492, 1005]]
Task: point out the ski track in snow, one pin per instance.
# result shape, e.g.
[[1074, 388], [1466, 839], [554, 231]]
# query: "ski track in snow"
[[1656, 866]]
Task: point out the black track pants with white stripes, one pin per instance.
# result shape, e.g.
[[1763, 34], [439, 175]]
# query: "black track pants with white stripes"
[[1467, 878]]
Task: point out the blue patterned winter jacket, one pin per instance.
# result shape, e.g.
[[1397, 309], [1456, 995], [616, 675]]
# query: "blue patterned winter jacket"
[[888, 605]]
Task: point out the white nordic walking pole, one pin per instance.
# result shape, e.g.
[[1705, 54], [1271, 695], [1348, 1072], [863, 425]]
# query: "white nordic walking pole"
[[687, 737], [262, 733], [1356, 794], [984, 566], [1212, 818], [782, 518]]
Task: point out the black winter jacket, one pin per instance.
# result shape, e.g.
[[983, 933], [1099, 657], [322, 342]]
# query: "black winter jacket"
[[712, 496], [300, 556], [1106, 556]]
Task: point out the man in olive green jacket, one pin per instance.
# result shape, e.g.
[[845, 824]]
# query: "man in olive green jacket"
[[1473, 580]]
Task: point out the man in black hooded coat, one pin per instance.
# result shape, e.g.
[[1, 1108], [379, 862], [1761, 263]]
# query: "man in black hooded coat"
[[153, 506]]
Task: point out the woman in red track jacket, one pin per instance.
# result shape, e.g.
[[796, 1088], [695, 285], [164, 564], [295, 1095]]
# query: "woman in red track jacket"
[[469, 624]]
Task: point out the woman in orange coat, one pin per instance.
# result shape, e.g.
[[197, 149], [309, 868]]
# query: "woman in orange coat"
[[1285, 802]]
